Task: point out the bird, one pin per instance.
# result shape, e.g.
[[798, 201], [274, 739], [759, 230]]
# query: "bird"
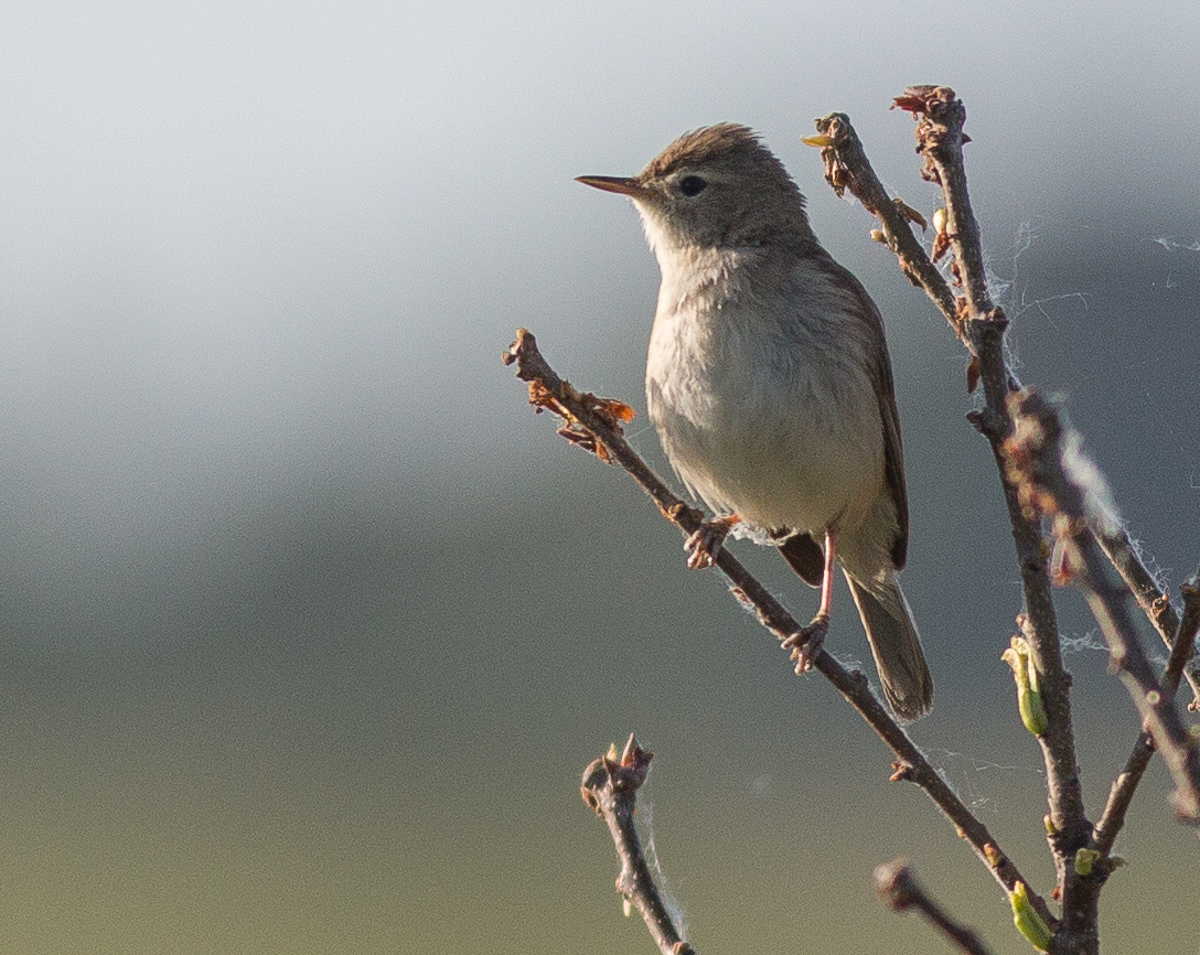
[[770, 386]]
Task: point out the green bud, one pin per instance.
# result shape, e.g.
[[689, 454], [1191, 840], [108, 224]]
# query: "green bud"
[[1084, 860], [1029, 696], [1027, 920], [1033, 713]]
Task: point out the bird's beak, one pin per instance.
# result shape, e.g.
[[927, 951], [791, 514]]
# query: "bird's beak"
[[617, 184]]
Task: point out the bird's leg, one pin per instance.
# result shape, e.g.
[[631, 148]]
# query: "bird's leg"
[[805, 644], [704, 545], [827, 578]]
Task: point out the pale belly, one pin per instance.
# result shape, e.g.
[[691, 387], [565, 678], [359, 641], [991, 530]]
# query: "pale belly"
[[794, 444]]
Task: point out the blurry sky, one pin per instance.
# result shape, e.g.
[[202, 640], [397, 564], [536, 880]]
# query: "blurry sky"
[[308, 625]]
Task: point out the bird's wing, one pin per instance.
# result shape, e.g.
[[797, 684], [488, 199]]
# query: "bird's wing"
[[870, 329]]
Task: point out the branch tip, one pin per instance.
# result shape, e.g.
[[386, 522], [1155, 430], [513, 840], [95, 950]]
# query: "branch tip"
[[901, 891], [610, 786]]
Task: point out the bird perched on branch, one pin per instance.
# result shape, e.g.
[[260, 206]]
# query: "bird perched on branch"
[[769, 382]]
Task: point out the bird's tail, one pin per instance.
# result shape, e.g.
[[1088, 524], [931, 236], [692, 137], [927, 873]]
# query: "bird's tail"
[[895, 644]]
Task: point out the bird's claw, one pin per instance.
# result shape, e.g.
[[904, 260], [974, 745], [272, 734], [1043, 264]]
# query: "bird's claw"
[[704, 546], [805, 644]]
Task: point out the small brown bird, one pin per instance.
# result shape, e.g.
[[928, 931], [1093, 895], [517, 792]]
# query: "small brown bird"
[[769, 383]]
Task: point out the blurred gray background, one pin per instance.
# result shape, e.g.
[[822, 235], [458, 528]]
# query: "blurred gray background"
[[309, 625]]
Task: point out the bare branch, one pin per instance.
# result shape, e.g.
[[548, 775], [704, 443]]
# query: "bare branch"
[[1044, 461], [981, 325], [1120, 797], [897, 885], [940, 139], [592, 423], [1183, 647], [847, 167], [610, 788], [940, 118], [1112, 820], [1155, 604]]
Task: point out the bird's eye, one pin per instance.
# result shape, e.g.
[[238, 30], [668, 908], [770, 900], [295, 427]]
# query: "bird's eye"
[[692, 185]]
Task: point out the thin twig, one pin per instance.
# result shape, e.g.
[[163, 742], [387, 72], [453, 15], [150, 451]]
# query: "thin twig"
[[1183, 649], [594, 423], [609, 788], [899, 888], [1154, 602], [1120, 797], [1054, 482], [1112, 820]]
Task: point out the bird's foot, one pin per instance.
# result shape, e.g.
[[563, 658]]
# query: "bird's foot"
[[705, 544], [805, 644]]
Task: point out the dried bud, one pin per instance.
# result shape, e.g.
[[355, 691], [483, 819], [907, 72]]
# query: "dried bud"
[[910, 214]]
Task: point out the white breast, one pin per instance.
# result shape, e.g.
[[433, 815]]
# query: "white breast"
[[761, 400]]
